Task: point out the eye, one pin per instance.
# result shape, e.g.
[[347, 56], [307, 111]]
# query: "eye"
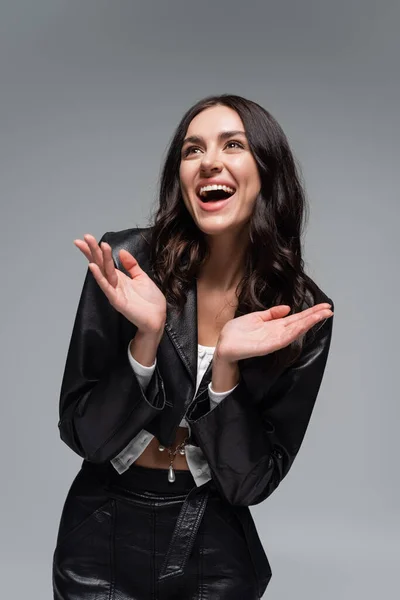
[[237, 144], [232, 145], [189, 150]]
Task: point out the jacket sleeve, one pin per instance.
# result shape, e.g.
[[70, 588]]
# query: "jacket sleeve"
[[250, 447], [102, 404]]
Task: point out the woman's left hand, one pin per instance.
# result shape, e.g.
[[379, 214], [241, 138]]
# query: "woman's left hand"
[[262, 332]]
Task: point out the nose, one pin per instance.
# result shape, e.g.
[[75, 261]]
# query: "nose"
[[210, 164]]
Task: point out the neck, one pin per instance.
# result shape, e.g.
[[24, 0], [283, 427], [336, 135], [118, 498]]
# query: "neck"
[[224, 267]]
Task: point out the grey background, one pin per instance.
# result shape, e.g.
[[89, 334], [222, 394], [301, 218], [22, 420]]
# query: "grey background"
[[90, 93]]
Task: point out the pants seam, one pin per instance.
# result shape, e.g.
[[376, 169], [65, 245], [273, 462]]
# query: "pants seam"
[[201, 558], [153, 554], [112, 550]]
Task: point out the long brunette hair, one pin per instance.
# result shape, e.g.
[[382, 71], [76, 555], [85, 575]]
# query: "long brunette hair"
[[274, 268]]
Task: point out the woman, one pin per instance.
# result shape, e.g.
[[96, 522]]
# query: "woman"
[[195, 361]]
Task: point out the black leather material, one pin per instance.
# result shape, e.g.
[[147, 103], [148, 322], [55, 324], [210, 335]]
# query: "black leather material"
[[136, 537], [250, 439]]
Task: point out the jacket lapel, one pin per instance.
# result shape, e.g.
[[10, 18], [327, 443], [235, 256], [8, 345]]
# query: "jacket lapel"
[[181, 328], [182, 331]]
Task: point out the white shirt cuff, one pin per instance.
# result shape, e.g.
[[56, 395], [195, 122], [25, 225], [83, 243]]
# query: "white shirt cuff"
[[143, 373], [216, 397]]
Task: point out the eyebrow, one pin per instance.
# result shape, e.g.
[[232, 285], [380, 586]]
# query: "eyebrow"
[[197, 139]]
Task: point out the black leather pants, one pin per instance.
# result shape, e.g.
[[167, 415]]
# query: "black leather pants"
[[136, 536]]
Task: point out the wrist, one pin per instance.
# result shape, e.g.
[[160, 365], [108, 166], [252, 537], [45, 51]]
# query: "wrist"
[[144, 347], [221, 355], [154, 328], [225, 373]]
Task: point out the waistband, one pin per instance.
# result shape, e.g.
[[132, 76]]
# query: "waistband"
[[145, 479]]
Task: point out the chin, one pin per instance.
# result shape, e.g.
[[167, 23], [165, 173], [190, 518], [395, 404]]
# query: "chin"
[[214, 229]]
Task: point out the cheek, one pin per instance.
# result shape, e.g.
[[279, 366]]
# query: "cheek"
[[249, 177], [184, 185], [185, 178], [255, 184], [254, 180], [245, 169]]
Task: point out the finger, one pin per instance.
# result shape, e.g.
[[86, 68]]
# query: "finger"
[[97, 255], [103, 282], [275, 312], [84, 248], [297, 328], [108, 264], [316, 309], [130, 263]]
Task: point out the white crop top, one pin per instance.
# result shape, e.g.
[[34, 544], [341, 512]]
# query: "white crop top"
[[197, 463]]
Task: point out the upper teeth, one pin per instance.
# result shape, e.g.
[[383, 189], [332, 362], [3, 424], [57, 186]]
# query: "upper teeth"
[[209, 188]]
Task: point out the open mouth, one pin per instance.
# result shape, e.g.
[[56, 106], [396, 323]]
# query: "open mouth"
[[213, 193]]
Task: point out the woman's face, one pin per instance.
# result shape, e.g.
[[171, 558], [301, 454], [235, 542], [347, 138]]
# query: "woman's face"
[[215, 151]]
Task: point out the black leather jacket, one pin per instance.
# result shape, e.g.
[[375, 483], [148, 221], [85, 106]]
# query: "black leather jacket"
[[249, 440]]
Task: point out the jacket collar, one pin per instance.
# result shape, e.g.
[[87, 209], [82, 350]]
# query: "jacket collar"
[[182, 331], [181, 328]]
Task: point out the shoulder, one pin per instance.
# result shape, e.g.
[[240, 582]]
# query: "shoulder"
[[135, 240]]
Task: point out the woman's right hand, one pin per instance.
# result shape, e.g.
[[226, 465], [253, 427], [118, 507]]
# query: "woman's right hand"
[[136, 297]]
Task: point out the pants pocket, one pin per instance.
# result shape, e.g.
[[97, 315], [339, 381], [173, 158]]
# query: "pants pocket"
[[86, 507], [84, 524], [83, 565]]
